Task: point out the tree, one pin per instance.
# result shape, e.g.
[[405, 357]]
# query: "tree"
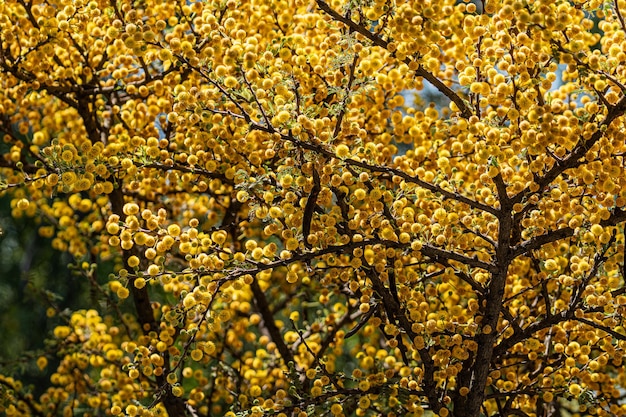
[[268, 228]]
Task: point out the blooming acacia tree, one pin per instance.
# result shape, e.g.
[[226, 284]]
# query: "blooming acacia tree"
[[291, 237]]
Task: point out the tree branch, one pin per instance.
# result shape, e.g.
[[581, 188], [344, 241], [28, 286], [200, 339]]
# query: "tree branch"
[[575, 157], [466, 112]]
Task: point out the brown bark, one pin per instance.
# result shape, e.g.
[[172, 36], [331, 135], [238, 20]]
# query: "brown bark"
[[145, 315]]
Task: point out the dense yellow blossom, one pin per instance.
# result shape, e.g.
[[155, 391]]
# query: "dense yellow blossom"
[[324, 208]]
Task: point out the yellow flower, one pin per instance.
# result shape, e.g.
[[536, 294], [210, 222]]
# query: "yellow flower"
[[342, 151]]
